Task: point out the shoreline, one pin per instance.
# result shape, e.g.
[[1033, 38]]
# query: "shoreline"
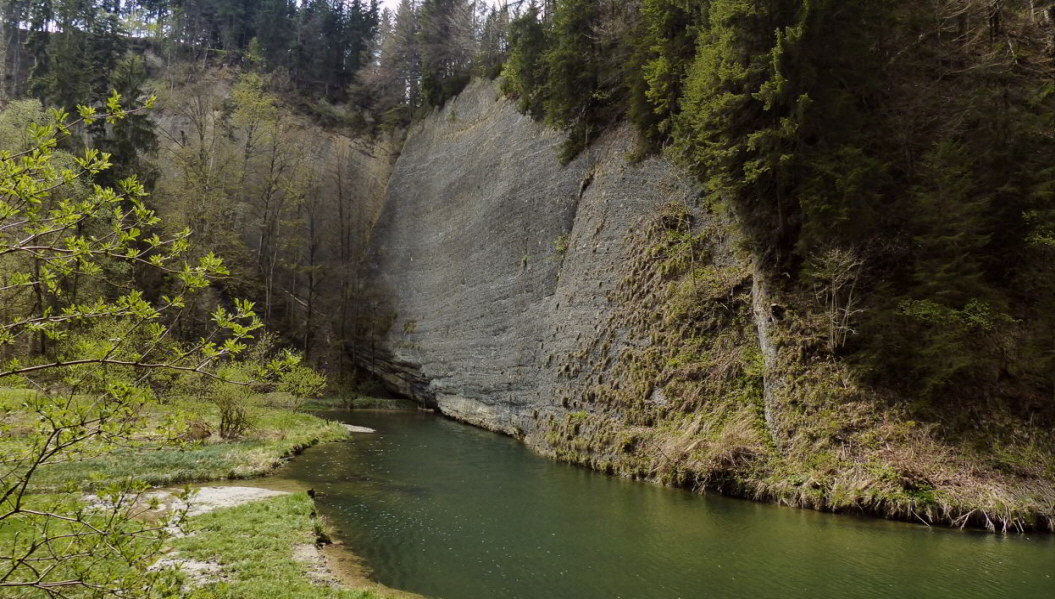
[[328, 564]]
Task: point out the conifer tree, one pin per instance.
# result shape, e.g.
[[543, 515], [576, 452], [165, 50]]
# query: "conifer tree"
[[275, 29], [446, 45], [665, 45], [524, 76], [571, 65]]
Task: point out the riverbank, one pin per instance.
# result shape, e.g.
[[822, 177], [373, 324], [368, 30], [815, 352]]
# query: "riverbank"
[[270, 545], [234, 542]]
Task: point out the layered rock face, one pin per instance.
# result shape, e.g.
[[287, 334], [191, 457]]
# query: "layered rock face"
[[606, 313], [492, 263]]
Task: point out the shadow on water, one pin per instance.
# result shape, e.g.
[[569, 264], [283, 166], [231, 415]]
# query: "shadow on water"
[[453, 512]]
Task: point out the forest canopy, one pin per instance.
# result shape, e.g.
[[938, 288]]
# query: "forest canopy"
[[909, 140]]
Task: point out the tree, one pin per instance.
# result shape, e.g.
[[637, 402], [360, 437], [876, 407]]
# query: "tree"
[[493, 47], [14, 16], [836, 275], [198, 165], [524, 75], [132, 140], [388, 87], [665, 45], [87, 393], [948, 214], [446, 42], [275, 28], [572, 73]]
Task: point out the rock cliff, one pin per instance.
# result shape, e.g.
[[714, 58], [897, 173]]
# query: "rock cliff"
[[491, 262], [609, 314]]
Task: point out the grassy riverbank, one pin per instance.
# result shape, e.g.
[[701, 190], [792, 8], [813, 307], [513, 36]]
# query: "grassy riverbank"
[[261, 549], [174, 444], [696, 403]]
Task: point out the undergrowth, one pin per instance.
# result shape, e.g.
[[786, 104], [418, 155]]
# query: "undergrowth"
[[673, 389]]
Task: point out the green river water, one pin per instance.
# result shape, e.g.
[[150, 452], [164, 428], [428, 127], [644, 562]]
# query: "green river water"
[[452, 512]]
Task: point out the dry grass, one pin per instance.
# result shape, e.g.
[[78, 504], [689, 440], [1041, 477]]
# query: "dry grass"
[[683, 405]]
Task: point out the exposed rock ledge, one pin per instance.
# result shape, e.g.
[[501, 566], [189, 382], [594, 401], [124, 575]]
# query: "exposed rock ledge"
[[491, 261]]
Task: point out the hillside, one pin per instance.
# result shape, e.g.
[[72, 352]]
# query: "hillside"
[[798, 252], [610, 314]]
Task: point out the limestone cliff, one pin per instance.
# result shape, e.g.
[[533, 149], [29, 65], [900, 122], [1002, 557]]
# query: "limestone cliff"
[[491, 261], [606, 312]]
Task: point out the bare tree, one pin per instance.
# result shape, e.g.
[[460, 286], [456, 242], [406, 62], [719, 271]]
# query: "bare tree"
[[836, 273]]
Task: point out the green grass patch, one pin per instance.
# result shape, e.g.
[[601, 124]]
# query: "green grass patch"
[[174, 442], [253, 544], [103, 550], [276, 434]]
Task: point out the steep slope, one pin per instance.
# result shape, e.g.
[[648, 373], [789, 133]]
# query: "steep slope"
[[605, 312], [484, 278]]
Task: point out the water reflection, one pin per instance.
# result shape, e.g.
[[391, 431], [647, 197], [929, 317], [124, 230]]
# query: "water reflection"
[[453, 512]]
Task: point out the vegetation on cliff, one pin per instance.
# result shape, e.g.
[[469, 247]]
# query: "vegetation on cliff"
[[910, 139], [885, 167]]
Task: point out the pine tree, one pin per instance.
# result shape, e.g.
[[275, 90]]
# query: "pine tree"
[[275, 29], [446, 44], [664, 47], [572, 73], [132, 140], [493, 47], [64, 76], [524, 76]]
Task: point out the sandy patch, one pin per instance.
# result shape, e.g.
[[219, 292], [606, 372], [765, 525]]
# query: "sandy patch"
[[351, 428], [207, 499], [202, 501], [318, 570], [196, 573]]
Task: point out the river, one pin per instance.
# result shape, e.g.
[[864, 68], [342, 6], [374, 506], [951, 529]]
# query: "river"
[[452, 512]]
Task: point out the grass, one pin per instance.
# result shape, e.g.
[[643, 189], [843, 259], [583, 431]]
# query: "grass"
[[162, 460], [253, 545], [118, 554]]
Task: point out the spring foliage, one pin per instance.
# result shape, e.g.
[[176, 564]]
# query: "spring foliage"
[[91, 347]]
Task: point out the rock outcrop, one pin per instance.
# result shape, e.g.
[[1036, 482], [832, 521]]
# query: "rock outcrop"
[[610, 316], [491, 262]]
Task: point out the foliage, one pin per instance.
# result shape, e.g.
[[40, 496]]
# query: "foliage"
[[566, 66], [571, 81], [909, 132], [69, 257], [523, 77], [446, 49], [836, 276]]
